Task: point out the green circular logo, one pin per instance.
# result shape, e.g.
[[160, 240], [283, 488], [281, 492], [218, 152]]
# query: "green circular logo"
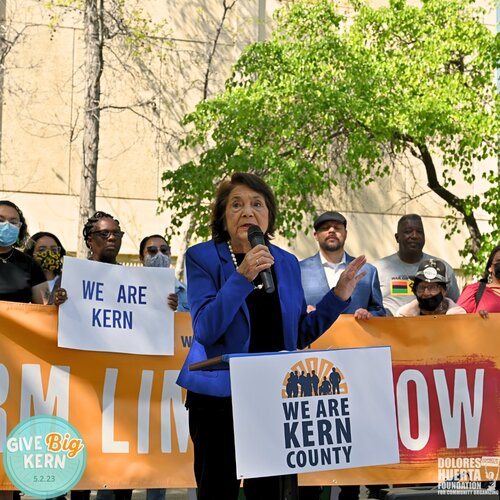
[[44, 456]]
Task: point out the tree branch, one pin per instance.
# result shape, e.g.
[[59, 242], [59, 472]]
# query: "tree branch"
[[450, 198], [227, 8]]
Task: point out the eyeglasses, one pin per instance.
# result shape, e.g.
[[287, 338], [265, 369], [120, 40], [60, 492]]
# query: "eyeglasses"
[[153, 249], [429, 287], [52, 249], [105, 234]]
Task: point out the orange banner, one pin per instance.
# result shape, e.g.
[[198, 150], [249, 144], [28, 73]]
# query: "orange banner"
[[131, 416]]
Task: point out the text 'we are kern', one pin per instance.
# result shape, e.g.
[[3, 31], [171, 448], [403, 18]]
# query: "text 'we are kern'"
[[113, 318]]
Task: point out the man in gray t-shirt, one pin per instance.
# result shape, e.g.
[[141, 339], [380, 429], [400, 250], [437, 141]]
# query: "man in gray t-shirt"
[[396, 271]]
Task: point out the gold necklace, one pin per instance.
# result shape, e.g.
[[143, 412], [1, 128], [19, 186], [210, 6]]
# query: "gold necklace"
[[6, 259], [235, 262]]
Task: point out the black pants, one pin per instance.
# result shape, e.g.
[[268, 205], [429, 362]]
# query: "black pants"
[[212, 433]]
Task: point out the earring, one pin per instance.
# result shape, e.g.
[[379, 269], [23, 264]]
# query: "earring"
[[490, 279]]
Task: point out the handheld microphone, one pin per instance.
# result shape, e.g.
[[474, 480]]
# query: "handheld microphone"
[[256, 237]]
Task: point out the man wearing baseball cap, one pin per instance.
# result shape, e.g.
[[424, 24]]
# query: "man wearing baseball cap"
[[320, 274], [321, 271], [430, 289]]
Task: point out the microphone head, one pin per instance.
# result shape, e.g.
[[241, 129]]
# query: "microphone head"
[[255, 235]]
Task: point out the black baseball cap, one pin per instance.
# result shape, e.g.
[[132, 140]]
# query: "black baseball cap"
[[432, 271], [329, 216]]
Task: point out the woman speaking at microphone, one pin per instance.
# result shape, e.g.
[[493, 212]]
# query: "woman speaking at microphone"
[[232, 312]]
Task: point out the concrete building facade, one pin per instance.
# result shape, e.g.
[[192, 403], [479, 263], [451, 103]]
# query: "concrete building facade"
[[143, 100]]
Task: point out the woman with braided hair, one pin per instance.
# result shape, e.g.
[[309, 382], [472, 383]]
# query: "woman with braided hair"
[[103, 236]]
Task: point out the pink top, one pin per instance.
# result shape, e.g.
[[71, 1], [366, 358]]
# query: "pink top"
[[490, 301]]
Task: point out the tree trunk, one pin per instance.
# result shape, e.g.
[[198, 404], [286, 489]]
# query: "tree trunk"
[[93, 24], [3, 30], [450, 198]]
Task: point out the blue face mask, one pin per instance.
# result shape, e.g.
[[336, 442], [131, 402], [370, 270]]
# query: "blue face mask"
[[157, 260], [8, 234]]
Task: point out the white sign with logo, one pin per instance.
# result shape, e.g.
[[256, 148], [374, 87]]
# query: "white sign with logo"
[[313, 410], [116, 309]]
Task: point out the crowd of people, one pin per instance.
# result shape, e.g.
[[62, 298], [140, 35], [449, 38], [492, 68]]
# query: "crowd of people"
[[232, 310], [308, 384], [35, 276]]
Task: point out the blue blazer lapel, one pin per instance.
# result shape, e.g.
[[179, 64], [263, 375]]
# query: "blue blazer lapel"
[[227, 269], [227, 263]]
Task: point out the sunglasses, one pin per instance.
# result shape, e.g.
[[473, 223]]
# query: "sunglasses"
[[153, 249], [105, 234]]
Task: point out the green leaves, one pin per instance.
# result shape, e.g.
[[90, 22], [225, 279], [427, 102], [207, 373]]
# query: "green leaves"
[[330, 97]]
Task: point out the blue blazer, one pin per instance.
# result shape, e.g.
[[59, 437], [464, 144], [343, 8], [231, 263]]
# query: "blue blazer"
[[220, 317], [366, 294]]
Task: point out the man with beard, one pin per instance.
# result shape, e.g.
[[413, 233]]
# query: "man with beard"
[[321, 271], [319, 274], [396, 271], [429, 287]]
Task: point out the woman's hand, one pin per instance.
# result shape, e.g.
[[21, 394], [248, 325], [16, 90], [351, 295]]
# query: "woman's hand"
[[173, 301], [60, 296], [349, 278], [256, 260], [483, 313]]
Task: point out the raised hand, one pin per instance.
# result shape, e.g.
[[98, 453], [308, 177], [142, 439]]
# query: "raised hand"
[[350, 278]]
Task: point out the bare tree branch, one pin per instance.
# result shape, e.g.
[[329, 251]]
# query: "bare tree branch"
[[226, 9]]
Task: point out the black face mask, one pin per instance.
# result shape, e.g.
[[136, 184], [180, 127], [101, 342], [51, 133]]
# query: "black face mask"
[[496, 270], [430, 303]]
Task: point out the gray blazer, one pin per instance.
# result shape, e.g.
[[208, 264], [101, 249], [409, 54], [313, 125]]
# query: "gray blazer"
[[366, 295]]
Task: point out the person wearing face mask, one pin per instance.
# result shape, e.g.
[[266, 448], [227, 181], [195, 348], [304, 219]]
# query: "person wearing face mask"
[[21, 278], [47, 250], [484, 296], [154, 251], [430, 289]]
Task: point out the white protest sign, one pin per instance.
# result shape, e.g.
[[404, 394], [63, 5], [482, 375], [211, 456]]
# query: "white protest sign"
[[313, 410], [116, 308]]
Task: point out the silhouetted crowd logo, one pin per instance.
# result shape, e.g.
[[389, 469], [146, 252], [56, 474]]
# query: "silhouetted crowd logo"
[[316, 430], [313, 377]]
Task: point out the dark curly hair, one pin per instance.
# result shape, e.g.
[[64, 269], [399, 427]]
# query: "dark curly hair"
[[23, 230], [31, 243], [89, 225], [254, 182], [486, 273]]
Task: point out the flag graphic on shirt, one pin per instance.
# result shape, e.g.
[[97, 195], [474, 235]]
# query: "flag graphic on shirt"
[[401, 286]]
